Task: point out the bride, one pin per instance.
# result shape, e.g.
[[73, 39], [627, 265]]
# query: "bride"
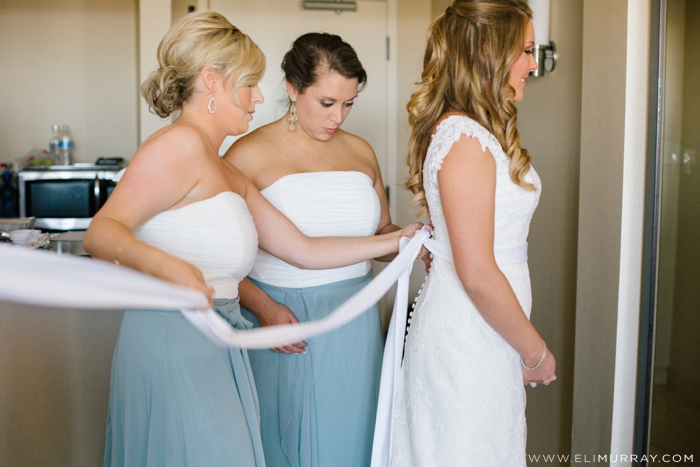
[[460, 398]]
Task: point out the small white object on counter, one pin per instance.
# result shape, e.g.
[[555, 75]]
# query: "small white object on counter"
[[22, 236]]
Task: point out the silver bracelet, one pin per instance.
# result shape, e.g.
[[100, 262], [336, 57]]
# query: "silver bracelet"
[[544, 354]]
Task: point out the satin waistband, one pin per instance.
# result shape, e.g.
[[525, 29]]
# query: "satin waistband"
[[507, 256]]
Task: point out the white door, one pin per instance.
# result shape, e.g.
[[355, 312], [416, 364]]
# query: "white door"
[[275, 24]]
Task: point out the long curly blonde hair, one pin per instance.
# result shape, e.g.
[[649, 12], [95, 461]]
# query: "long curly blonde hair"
[[471, 49]]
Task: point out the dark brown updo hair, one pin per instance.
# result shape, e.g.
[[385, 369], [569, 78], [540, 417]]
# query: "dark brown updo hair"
[[316, 53], [193, 42]]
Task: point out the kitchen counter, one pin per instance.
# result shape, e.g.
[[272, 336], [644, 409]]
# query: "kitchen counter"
[[75, 167], [65, 243], [54, 384], [54, 378], [68, 243]]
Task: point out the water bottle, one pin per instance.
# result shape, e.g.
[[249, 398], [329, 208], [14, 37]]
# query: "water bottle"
[[65, 146], [54, 142], [8, 196]]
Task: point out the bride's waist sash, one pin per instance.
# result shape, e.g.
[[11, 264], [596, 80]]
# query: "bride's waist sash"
[[505, 256]]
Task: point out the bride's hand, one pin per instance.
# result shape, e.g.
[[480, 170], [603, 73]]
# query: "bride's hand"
[[282, 315], [544, 374]]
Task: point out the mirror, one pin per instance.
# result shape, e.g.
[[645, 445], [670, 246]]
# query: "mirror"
[[674, 423]]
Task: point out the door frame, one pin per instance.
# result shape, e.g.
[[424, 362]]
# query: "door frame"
[[652, 218]]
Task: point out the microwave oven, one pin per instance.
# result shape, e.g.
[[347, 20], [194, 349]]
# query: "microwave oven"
[[65, 197]]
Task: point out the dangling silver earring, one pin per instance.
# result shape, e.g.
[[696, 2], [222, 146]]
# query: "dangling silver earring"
[[211, 107], [292, 117]]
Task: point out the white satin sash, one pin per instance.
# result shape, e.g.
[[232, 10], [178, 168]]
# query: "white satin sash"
[[507, 256], [44, 278]]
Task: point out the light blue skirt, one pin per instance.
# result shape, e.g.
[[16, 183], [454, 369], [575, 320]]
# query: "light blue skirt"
[[318, 409], [178, 400]]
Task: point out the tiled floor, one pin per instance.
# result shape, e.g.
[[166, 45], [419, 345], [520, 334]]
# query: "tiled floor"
[[675, 425]]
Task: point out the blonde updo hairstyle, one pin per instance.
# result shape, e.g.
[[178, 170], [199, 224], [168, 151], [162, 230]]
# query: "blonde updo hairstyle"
[[471, 49], [193, 42]]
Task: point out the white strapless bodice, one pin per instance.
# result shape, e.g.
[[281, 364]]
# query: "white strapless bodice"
[[320, 204], [217, 235]]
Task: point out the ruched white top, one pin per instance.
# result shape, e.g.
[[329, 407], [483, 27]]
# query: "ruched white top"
[[216, 234], [320, 204]]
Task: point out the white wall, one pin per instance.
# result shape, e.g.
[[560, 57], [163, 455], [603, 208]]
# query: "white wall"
[[274, 24], [154, 20], [68, 62]]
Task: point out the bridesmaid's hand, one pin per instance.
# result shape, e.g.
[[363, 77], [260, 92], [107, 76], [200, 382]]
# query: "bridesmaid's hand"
[[544, 374], [410, 230], [282, 315], [424, 254], [181, 272]]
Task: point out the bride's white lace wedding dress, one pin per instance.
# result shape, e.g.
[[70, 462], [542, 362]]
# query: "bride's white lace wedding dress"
[[460, 400]]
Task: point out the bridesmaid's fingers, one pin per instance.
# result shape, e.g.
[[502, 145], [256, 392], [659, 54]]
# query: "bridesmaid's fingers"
[[295, 348], [282, 317], [299, 347]]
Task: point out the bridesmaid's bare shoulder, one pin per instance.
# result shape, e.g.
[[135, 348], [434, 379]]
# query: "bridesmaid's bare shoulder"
[[252, 152]]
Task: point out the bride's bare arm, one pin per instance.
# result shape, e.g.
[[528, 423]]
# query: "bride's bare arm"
[[281, 238], [467, 182]]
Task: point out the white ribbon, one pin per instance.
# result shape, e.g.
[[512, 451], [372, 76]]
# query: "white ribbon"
[[47, 279], [38, 277], [220, 332]]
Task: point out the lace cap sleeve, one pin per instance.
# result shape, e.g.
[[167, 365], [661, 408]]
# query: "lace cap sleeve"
[[451, 130]]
